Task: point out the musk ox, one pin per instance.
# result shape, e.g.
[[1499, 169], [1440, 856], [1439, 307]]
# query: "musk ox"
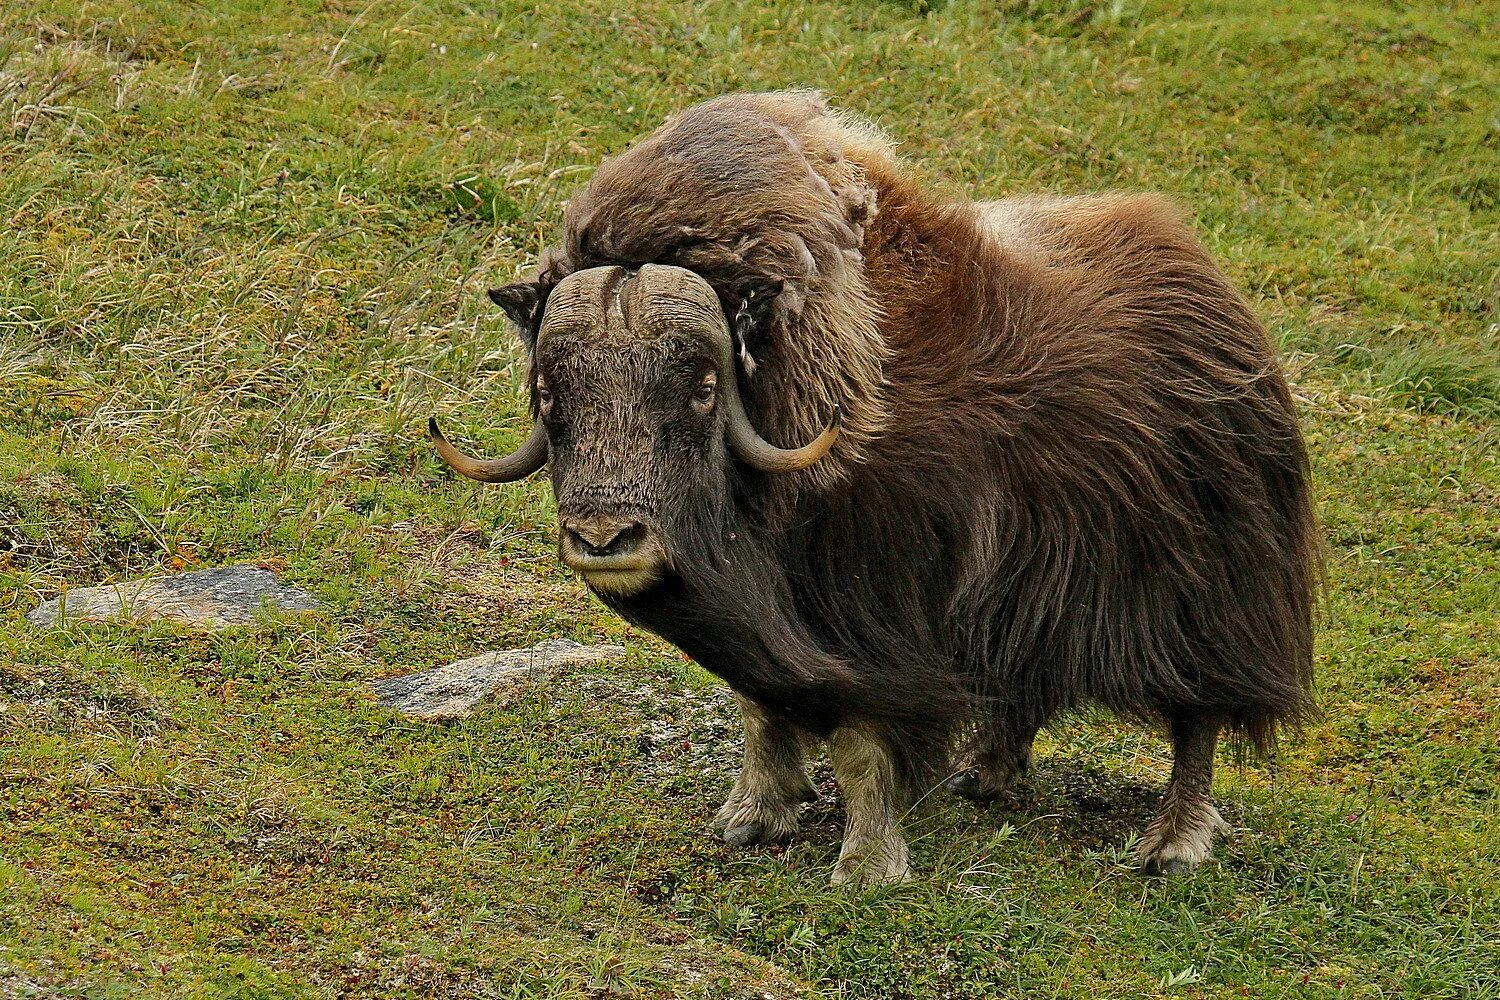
[[913, 475]]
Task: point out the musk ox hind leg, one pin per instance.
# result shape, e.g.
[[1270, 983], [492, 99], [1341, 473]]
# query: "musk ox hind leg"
[[874, 850], [997, 756], [772, 787], [1181, 835]]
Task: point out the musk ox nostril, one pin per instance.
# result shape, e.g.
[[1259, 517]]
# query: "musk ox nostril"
[[600, 537]]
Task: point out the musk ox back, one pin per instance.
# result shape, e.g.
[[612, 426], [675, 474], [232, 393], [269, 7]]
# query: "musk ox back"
[[915, 476]]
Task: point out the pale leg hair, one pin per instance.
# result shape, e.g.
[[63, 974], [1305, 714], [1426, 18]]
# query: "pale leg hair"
[[762, 807], [874, 850], [1182, 834]]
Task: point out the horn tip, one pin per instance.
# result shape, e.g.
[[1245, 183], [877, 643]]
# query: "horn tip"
[[432, 429]]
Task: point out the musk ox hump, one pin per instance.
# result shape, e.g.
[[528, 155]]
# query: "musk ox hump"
[[745, 190]]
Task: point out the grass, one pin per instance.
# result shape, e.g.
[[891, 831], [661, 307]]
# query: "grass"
[[246, 260]]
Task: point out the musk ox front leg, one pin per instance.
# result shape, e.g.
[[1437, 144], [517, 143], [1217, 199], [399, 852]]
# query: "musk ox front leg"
[[874, 850], [1181, 835], [763, 805]]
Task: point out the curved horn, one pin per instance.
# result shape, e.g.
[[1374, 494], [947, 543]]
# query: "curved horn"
[[756, 452], [527, 459], [675, 292]]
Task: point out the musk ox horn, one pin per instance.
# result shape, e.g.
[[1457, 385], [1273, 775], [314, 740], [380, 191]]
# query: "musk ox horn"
[[759, 453], [527, 459], [752, 449]]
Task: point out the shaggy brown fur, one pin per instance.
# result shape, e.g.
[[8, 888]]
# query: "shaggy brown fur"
[[1071, 471]]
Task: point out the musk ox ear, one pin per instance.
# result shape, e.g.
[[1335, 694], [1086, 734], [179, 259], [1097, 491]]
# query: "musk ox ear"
[[523, 303], [750, 322]]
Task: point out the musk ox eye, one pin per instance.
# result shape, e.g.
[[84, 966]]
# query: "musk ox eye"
[[703, 396], [543, 395]]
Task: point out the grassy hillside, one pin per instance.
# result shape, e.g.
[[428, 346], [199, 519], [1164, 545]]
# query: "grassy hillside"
[[245, 260]]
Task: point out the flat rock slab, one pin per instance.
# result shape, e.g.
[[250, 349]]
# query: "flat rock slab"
[[452, 691], [224, 595]]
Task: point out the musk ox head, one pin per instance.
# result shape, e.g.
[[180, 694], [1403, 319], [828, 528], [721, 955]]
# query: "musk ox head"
[[634, 383]]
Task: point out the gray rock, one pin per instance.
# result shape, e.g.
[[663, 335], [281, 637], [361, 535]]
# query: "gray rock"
[[452, 691], [224, 595]]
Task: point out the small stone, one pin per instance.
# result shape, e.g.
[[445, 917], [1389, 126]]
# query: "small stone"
[[454, 690], [223, 595]]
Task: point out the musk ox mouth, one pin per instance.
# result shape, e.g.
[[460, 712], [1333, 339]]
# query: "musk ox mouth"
[[620, 582]]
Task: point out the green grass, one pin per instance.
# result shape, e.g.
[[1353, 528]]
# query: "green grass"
[[245, 261]]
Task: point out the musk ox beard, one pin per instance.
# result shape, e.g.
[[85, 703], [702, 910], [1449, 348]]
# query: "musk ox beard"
[[915, 475]]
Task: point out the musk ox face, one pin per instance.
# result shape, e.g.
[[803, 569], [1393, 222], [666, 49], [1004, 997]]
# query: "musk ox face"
[[627, 387], [635, 389]]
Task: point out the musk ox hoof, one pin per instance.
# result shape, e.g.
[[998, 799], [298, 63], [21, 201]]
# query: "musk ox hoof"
[[747, 835], [966, 785], [872, 863], [745, 822], [1180, 838], [1170, 866], [986, 784], [753, 826]]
